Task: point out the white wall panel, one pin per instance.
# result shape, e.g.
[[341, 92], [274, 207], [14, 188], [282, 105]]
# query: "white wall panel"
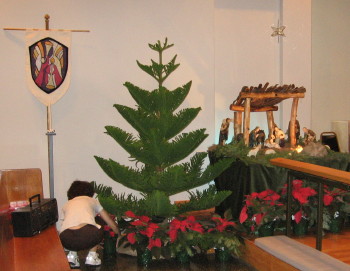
[[245, 54], [330, 63], [297, 57]]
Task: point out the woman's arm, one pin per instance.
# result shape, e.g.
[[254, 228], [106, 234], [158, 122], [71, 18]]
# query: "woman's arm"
[[110, 222]]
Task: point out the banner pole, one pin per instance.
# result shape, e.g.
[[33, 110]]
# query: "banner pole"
[[50, 133]]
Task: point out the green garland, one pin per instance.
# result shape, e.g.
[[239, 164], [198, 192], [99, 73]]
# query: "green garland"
[[239, 151]]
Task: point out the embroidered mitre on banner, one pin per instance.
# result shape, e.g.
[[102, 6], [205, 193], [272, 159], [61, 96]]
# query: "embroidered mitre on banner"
[[48, 64]]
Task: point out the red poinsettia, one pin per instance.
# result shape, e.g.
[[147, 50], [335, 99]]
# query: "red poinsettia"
[[335, 203], [109, 233], [301, 195], [243, 216], [220, 234], [142, 231], [221, 224], [188, 224], [131, 237], [154, 243], [327, 199], [185, 234], [333, 195], [299, 192], [261, 208]]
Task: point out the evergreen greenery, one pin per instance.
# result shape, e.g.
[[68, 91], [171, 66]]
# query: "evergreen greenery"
[[158, 149], [239, 151]]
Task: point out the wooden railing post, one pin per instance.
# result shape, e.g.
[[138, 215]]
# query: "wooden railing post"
[[289, 205], [319, 217]]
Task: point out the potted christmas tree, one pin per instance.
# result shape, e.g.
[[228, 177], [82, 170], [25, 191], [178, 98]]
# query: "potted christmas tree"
[[158, 150]]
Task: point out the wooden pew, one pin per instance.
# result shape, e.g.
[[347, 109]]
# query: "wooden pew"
[[6, 235], [41, 252]]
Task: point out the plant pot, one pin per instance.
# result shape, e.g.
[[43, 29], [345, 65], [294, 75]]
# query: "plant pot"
[[266, 229], [109, 249], [182, 257], [222, 254], [144, 257], [157, 219], [336, 224], [301, 228]]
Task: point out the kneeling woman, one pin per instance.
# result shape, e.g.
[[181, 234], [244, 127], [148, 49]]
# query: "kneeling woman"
[[79, 230]]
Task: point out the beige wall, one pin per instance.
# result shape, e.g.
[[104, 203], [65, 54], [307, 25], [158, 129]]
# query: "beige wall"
[[105, 58], [102, 61], [330, 63]]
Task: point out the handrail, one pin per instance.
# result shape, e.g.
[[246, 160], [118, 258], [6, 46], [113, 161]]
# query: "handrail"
[[314, 173], [316, 170]]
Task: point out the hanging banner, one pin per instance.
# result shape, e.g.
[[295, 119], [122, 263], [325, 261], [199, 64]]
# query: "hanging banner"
[[47, 64]]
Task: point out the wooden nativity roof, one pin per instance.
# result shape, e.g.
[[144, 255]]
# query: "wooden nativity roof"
[[265, 98]]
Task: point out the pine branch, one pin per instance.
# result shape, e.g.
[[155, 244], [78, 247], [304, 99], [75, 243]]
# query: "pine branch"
[[126, 176], [202, 200], [156, 151], [213, 171], [164, 126], [180, 121], [118, 205], [179, 178], [157, 70], [169, 68], [159, 100], [168, 153], [159, 47], [103, 190], [157, 203]]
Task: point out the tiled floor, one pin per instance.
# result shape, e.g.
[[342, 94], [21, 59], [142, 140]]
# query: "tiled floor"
[[199, 263]]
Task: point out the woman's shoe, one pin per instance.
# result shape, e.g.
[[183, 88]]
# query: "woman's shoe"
[[92, 259], [73, 259]]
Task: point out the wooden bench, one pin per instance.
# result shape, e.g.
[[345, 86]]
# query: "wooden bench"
[[261, 260], [298, 255], [41, 252]]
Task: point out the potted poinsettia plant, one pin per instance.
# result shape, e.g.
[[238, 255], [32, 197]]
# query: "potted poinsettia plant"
[[144, 236], [336, 206], [304, 202], [184, 235], [223, 238], [261, 211], [109, 243]]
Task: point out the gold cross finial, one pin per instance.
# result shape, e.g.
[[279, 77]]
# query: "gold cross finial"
[[278, 31]]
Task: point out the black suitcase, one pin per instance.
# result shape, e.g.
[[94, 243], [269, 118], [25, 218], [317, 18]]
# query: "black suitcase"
[[30, 220]]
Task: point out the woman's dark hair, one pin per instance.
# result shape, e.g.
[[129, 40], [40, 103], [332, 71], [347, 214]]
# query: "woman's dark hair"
[[80, 188]]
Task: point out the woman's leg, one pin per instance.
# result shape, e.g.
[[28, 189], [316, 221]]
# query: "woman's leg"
[[94, 249]]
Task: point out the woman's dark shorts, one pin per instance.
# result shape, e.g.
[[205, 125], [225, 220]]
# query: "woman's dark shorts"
[[86, 237]]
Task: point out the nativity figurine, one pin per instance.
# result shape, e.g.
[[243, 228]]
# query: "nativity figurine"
[[253, 137], [309, 136], [224, 131], [279, 136]]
